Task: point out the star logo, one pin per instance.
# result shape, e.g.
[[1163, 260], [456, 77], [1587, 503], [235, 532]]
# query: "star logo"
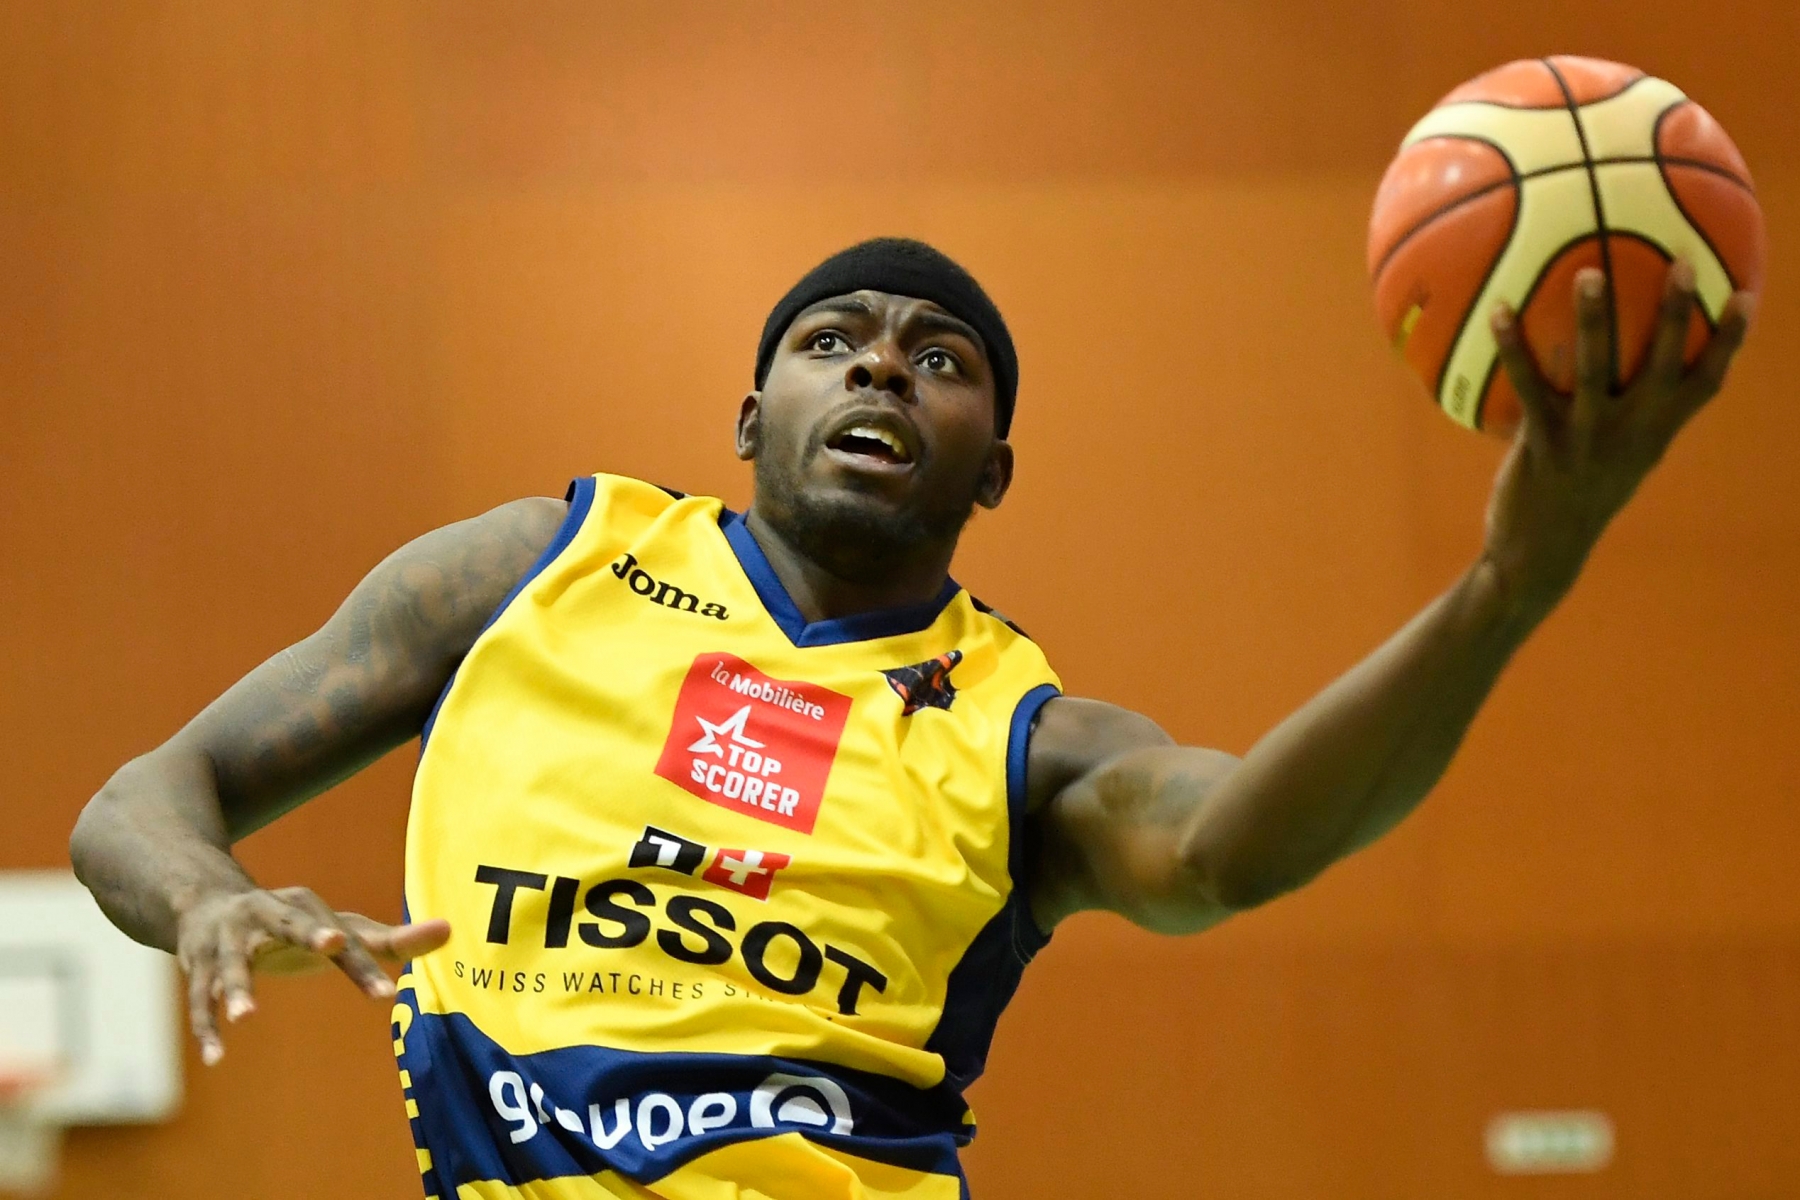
[[926, 684], [778, 774], [732, 726]]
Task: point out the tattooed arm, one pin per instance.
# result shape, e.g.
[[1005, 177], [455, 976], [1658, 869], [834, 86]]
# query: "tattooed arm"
[[154, 845]]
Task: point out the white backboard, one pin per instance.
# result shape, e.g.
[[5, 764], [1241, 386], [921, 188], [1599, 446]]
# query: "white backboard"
[[84, 1006]]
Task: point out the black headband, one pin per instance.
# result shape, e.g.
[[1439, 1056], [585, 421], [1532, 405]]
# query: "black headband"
[[903, 267]]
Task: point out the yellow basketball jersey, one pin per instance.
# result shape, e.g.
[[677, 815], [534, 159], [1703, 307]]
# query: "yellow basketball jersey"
[[736, 898]]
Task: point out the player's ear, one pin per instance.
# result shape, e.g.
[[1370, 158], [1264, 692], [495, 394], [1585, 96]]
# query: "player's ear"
[[996, 476], [749, 426]]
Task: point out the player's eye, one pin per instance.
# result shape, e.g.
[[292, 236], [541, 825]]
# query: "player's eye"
[[939, 361], [828, 341]]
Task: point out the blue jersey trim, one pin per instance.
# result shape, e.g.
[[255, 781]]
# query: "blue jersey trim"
[[1018, 756], [983, 981], [857, 627], [407, 999], [485, 1113], [1018, 751], [581, 499]]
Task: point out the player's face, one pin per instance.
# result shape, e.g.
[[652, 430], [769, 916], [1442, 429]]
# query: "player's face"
[[875, 425]]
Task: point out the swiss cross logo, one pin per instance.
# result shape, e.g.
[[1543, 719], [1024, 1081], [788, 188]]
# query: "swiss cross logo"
[[747, 871], [756, 745]]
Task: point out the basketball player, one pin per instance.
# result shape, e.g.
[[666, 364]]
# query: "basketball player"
[[733, 832]]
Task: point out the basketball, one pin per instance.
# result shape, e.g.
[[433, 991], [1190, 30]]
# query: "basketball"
[[1522, 177]]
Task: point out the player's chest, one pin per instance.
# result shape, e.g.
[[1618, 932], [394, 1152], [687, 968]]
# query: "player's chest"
[[725, 735]]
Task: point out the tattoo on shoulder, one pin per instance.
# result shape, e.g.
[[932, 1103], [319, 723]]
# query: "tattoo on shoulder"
[[301, 674], [446, 583], [363, 683]]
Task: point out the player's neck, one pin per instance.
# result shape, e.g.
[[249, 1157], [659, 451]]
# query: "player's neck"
[[822, 596]]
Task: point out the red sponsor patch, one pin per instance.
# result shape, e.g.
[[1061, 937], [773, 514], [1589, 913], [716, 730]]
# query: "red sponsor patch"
[[747, 871], [756, 745]]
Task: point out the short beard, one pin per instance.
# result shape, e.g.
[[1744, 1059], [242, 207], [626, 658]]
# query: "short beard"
[[854, 542]]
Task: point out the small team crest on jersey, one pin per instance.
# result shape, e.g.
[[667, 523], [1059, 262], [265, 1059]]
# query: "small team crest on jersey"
[[753, 744], [926, 684]]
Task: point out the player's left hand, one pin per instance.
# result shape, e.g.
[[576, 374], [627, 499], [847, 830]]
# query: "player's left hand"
[[1578, 458]]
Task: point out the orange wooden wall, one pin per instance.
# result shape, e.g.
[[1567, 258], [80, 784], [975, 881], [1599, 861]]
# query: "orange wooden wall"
[[284, 283]]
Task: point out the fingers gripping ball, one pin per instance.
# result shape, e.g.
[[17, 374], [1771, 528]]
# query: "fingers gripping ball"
[[1523, 176]]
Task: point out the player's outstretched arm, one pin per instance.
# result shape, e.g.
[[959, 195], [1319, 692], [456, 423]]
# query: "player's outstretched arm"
[[1176, 838], [154, 845]]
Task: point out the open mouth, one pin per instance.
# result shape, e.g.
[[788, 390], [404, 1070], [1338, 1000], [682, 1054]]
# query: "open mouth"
[[878, 445]]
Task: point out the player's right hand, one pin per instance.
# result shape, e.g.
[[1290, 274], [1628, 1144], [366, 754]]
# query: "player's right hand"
[[1579, 457], [226, 936]]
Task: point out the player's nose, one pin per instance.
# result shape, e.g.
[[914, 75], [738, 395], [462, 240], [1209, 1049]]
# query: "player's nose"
[[882, 367]]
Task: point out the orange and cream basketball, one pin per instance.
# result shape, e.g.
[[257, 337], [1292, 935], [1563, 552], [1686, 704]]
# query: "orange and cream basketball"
[[1527, 174]]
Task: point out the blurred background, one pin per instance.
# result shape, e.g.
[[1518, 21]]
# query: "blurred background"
[[284, 284]]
